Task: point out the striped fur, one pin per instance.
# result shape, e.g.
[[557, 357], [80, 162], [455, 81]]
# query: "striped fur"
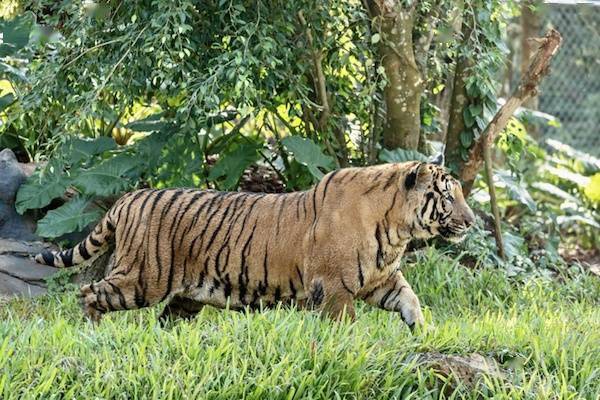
[[323, 247]]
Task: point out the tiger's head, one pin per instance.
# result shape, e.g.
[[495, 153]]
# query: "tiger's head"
[[437, 202]]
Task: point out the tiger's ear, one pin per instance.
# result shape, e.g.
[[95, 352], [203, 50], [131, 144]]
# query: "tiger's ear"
[[418, 177], [438, 159], [411, 178]]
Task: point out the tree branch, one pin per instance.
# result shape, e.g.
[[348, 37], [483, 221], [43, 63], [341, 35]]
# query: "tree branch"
[[321, 87], [527, 88]]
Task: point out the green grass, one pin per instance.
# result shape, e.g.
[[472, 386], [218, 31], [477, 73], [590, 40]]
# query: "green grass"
[[545, 333]]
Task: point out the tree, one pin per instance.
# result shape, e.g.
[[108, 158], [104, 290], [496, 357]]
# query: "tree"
[[190, 93]]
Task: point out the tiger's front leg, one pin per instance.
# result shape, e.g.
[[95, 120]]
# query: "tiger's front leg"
[[395, 294]]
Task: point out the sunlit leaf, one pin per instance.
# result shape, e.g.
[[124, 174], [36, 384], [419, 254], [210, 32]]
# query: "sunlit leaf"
[[308, 153]]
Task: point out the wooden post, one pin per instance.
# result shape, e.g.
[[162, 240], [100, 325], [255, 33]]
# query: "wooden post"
[[527, 88]]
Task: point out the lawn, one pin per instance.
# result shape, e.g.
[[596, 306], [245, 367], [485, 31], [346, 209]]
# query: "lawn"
[[544, 333]]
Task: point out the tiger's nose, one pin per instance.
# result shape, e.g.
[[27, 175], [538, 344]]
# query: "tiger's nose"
[[469, 218]]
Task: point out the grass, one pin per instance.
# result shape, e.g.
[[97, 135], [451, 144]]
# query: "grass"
[[545, 333]]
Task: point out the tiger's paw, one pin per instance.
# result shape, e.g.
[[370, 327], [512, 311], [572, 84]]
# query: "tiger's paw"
[[413, 317]]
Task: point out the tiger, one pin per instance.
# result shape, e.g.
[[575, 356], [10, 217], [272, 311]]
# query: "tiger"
[[322, 248]]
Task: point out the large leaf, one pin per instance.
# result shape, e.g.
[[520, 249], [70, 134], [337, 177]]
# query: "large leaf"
[[15, 33], [232, 165], [401, 155], [82, 149], [37, 193], [6, 101], [70, 217], [516, 190], [308, 153], [106, 178]]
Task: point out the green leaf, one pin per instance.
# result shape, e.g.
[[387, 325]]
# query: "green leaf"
[[148, 124], [232, 165], [468, 118], [513, 244], [106, 178], [308, 153], [475, 109], [466, 139], [6, 101], [36, 193], [83, 149], [401, 155], [70, 217]]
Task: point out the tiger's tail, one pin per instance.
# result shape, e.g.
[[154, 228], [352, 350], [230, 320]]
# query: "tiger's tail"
[[94, 243]]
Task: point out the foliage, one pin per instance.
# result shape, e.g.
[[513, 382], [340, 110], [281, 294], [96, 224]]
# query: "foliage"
[[545, 204], [48, 350]]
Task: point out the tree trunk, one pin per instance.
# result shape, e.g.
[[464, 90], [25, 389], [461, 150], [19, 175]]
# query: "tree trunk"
[[458, 102], [402, 93]]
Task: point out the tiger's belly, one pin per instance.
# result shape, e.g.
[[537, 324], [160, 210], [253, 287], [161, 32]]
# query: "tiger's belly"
[[228, 294]]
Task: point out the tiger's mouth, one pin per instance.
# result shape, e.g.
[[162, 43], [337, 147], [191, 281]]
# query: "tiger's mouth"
[[453, 235]]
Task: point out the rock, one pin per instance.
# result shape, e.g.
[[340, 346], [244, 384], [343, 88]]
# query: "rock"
[[12, 225], [11, 286], [23, 248], [467, 370], [11, 176]]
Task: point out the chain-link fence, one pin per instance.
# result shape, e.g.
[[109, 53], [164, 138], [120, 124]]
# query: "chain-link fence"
[[572, 92]]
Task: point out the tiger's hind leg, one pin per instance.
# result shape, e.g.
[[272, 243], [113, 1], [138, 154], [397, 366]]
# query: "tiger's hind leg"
[[180, 308], [110, 294]]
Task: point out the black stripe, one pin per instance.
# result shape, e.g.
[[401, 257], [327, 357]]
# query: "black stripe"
[[346, 286], [393, 178], [243, 277], [120, 294], [298, 206], [227, 287], [126, 238], [231, 206], [317, 293], [292, 289], [208, 206], [107, 300], [172, 255], [94, 242], [207, 224], [83, 251], [277, 295], [300, 275], [67, 257], [48, 257], [379, 254], [164, 210], [265, 268], [375, 186], [281, 207], [327, 184], [243, 225], [110, 226], [361, 278], [385, 298]]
